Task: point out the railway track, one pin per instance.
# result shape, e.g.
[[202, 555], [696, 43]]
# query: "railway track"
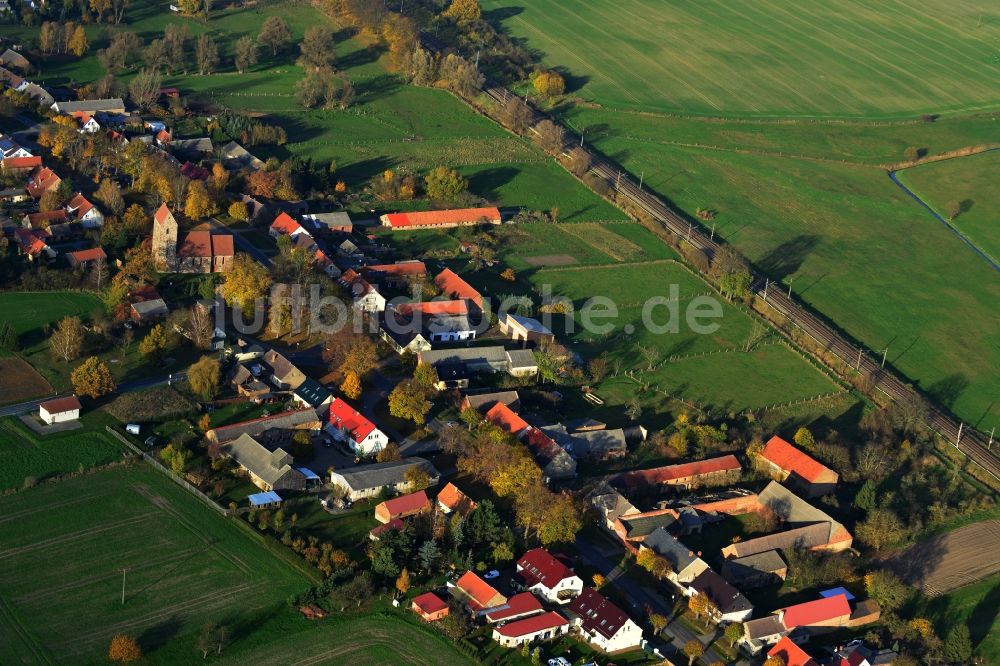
[[967, 439]]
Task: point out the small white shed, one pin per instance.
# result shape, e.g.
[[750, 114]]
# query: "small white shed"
[[60, 409]]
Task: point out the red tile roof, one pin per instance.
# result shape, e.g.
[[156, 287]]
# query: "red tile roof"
[[455, 500], [222, 245], [22, 162], [539, 566], [196, 244], [88, 255], [503, 416], [406, 504], [431, 308], [347, 418], [669, 473], [59, 405], [163, 214], [43, 180], [597, 613], [791, 459], [524, 603], [479, 591], [379, 530], [440, 217], [452, 285], [285, 224], [816, 612], [532, 625], [429, 603], [31, 240], [39, 220], [791, 653], [79, 205], [401, 269]]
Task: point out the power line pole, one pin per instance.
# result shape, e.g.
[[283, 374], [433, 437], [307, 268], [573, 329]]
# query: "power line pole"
[[123, 587], [958, 439], [857, 368], [884, 353], [642, 174], [767, 281], [790, 287], [618, 182], [990, 444]]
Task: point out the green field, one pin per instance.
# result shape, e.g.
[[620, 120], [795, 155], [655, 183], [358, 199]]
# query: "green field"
[[24, 454], [63, 548], [29, 312], [819, 57], [972, 182], [974, 604]]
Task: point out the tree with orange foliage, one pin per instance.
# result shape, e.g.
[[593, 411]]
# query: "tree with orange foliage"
[[124, 649], [549, 84], [351, 386], [464, 11]]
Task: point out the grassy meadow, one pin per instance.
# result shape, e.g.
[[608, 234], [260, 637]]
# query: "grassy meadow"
[[64, 546], [817, 58], [971, 181]]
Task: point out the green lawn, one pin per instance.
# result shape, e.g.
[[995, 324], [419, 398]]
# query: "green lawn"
[[24, 453], [29, 312], [970, 181], [839, 58], [64, 546], [976, 605]]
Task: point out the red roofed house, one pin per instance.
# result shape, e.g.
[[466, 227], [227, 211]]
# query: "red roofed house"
[[85, 257], [555, 462], [429, 606], [451, 499], [518, 606], [349, 425], [42, 181], [476, 593], [790, 653], [403, 506], [376, 532], [785, 462], [286, 225], [88, 124], [824, 614], [59, 410], [713, 471], [453, 286], [399, 273], [45, 220], [603, 624], [434, 308], [441, 219], [84, 212], [537, 628], [504, 417], [21, 164], [31, 243], [541, 573]]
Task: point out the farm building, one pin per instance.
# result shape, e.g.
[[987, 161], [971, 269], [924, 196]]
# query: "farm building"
[[266, 500], [476, 593], [713, 471], [537, 628], [791, 654], [85, 258], [517, 607], [758, 570], [273, 429], [284, 374], [268, 470], [369, 480], [785, 462], [429, 606], [311, 393], [403, 506], [483, 402], [452, 286], [524, 329], [441, 219], [60, 410], [114, 105], [338, 222], [400, 273], [144, 312]]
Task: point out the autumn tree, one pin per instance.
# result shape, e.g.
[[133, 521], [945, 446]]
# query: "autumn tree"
[[124, 649], [550, 137], [693, 649], [245, 53], [657, 622], [206, 54], [403, 582], [274, 34], [880, 528], [238, 211], [144, 88], [92, 378], [444, 184], [887, 589], [698, 604], [351, 386], [805, 439], [516, 115], [203, 377], [598, 580], [155, 344], [460, 75], [549, 84], [464, 11], [408, 400], [561, 521], [654, 563], [388, 453], [733, 632], [244, 282], [774, 661], [324, 88], [199, 203], [78, 43], [109, 193], [416, 478], [317, 48], [953, 208], [66, 342]]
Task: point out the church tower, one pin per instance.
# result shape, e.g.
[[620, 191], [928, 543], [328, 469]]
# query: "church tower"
[[164, 240]]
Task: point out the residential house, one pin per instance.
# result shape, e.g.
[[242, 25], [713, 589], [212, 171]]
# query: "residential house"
[[452, 500], [268, 470], [45, 220], [366, 298], [478, 595], [272, 429], [610, 505], [13, 194], [285, 225], [11, 149], [21, 164], [452, 286], [93, 106], [440, 219], [248, 384], [403, 336], [36, 93], [398, 274], [86, 258], [84, 212], [482, 402], [348, 425], [368, 480], [685, 564], [265, 500], [31, 243], [41, 182], [784, 462], [284, 375], [791, 654], [524, 329], [817, 616], [538, 571], [556, 463], [538, 628], [808, 527], [517, 607], [684, 476], [603, 624], [13, 59], [728, 605], [338, 222], [476, 359], [504, 417], [59, 410], [830, 612], [312, 394], [757, 570], [429, 606], [404, 506], [87, 122]]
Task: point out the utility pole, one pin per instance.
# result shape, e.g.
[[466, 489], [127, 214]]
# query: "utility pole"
[[767, 281], [581, 139], [790, 287], [642, 174], [958, 440], [619, 181], [477, 52], [689, 232], [884, 353], [989, 445], [712, 237], [123, 587], [857, 368]]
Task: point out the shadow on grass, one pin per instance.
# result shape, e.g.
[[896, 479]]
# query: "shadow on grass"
[[787, 258]]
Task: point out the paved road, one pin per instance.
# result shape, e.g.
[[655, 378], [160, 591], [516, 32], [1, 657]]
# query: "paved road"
[[243, 243], [22, 407], [968, 440]]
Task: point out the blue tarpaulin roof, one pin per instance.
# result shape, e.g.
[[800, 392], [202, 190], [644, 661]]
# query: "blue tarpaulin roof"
[[308, 473], [826, 594], [264, 498]]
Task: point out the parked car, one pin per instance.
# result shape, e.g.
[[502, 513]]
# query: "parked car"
[[490, 575]]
